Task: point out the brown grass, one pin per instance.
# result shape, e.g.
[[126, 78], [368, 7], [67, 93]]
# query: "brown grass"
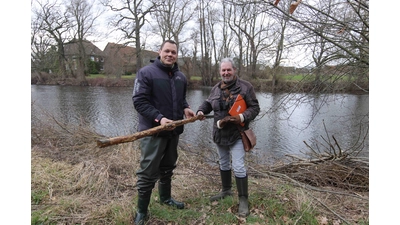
[[83, 184]]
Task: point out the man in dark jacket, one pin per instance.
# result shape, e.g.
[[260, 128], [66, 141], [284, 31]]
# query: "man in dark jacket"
[[226, 130], [159, 97]]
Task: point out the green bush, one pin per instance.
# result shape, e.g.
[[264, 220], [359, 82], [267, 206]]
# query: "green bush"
[[93, 67]]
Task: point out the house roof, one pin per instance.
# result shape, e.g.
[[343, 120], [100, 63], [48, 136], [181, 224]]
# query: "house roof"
[[71, 48], [126, 53], [126, 50]]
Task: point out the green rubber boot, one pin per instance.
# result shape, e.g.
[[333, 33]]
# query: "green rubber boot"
[[164, 190], [226, 179], [142, 205], [242, 187]]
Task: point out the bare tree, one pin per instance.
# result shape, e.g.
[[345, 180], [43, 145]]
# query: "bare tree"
[[341, 25], [334, 34], [82, 16], [50, 20], [337, 34], [205, 54], [40, 47], [195, 66], [322, 51], [171, 17], [130, 19], [253, 27], [228, 40], [214, 25]]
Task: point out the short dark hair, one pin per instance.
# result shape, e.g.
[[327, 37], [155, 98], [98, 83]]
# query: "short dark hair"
[[168, 41]]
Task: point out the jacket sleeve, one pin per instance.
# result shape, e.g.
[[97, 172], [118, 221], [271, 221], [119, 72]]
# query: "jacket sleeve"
[[142, 98], [205, 107], [253, 107], [185, 103]]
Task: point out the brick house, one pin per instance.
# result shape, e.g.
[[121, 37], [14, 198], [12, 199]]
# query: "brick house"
[[92, 53], [121, 59]]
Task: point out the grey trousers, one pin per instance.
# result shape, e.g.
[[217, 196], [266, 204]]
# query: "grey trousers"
[[233, 157]]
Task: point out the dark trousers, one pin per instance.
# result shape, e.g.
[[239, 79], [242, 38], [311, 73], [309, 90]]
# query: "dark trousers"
[[157, 161]]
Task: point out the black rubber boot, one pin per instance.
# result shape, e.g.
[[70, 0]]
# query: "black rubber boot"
[[164, 190], [242, 187], [142, 206], [226, 179]]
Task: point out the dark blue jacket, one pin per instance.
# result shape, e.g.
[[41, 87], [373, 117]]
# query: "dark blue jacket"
[[160, 91]]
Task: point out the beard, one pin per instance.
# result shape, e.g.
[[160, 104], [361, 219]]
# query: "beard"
[[228, 79]]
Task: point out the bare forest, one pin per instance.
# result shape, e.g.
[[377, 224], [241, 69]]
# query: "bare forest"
[[326, 42]]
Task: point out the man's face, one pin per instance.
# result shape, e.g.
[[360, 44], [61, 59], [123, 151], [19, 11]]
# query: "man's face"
[[168, 54], [227, 72]]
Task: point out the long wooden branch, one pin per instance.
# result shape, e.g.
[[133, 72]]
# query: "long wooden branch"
[[132, 137]]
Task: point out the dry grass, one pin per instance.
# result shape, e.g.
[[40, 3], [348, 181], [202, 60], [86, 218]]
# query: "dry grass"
[[75, 182]]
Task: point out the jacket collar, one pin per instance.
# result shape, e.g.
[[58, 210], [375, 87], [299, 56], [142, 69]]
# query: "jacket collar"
[[167, 69]]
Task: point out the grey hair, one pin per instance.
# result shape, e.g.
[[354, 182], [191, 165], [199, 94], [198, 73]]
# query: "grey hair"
[[230, 60]]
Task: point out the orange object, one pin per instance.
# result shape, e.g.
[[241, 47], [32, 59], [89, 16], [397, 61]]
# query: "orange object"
[[238, 107], [293, 6], [276, 2]]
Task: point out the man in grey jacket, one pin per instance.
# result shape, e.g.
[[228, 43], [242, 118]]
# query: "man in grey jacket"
[[226, 130], [159, 97]]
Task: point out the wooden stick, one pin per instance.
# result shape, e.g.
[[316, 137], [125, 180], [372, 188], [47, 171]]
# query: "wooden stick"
[[132, 137]]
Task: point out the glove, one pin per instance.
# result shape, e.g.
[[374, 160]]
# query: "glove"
[[225, 120], [235, 119]]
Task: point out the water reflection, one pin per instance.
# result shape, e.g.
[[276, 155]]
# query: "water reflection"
[[285, 121]]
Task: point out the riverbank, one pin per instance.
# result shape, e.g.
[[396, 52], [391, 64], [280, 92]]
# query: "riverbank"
[[259, 85], [75, 182]]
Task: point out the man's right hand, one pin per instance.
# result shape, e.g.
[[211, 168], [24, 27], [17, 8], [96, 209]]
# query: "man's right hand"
[[165, 121]]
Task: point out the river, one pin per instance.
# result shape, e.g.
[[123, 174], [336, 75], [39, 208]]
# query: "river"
[[285, 122]]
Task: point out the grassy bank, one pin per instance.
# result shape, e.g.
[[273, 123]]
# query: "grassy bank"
[[75, 182], [289, 83]]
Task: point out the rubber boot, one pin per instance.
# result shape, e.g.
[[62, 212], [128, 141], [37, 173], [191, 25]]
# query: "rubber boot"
[[142, 206], [226, 179], [164, 190], [242, 187]]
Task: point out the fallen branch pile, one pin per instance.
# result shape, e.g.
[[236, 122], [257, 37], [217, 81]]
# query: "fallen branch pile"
[[346, 174], [329, 165]]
